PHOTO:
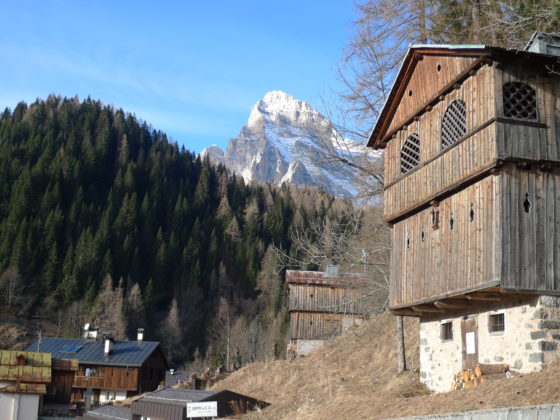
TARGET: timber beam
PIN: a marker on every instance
(483, 297)
(426, 308)
(405, 312)
(457, 304)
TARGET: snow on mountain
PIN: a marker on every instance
(285, 141)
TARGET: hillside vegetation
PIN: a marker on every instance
(104, 220)
(354, 377)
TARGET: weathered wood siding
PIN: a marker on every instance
(520, 139)
(441, 169)
(316, 326)
(531, 237)
(426, 82)
(152, 371)
(429, 263)
(328, 299)
(107, 377)
(60, 389)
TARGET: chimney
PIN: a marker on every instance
(108, 345)
(140, 336)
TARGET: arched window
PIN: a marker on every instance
(410, 153)
(520, 101)
(454, 123)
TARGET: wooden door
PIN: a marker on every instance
(469, 336)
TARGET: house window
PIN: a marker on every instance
(410, 153)
(496, 323)
(454, 123)
(446, 331)
(520, 101)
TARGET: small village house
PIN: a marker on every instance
(471, 139)
(24, 377)
(106, 369)
(171, 404)
(322, 305)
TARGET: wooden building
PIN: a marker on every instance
(171, 404)
(322, 305)
(112, 370)
(472, 191)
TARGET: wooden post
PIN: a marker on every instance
(401, 357)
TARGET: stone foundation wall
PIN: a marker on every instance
(304, 347)
(529, 341)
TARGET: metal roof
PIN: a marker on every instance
(173, 378)
(178, 396)
(108, 412)
(171, 404)
(124, 353)
(322, 279)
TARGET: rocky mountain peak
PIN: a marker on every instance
(280, 106)
(283, 141)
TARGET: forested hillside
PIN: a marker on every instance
(104, 220)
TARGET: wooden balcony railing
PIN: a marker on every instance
(88, 382)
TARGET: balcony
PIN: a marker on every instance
(88, 382)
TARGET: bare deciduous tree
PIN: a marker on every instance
(108, 311)
(11, 284)
(357, 242)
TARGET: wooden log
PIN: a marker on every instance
(492, 369)
(426, 308)
(484, 298)
(478, 371)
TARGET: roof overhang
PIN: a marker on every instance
(378, 137)
(413, 55)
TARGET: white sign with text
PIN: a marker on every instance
(471, 344)
(202, 409)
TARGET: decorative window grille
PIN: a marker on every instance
(446, 331)
(410, 153)
(454, 123)
(496, 323)
(520, 101)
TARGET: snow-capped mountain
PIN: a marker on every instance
(286, 140)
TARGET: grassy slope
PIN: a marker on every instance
(16, 332)
(354, 376)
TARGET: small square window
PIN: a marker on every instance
(496, 323)
(446, 331)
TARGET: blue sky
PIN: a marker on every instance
(192, 69)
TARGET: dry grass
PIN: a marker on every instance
(354, 376)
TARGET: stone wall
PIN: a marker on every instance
(304, 347)
(529, 341)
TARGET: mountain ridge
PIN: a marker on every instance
(286, 140)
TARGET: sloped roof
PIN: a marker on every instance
(176, 377)
(414, 54)
(124, 353)
(36, 367)
(171, 403)
(322, 279)
(178, 396)
(108, 412)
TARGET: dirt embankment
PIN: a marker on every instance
(354, 377)
(16, 333)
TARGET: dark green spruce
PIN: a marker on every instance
(88, 192)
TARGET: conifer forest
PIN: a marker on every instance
(103, 220)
